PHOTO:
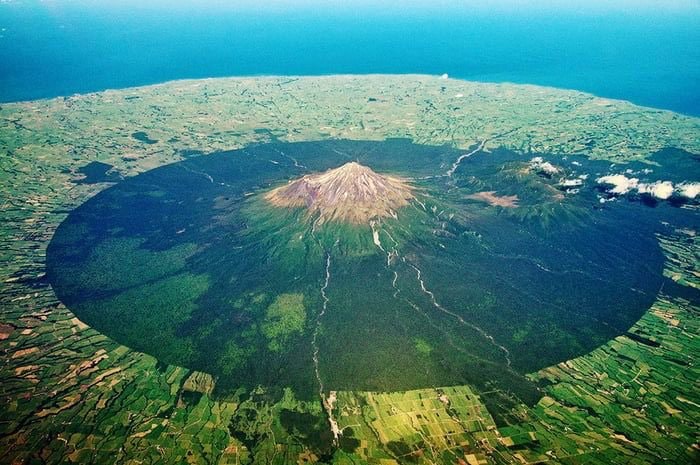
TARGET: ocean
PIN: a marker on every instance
(50, 49)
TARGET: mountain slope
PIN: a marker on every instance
(352, 193)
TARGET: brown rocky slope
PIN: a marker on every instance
(351, 193)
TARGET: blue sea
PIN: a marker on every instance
(56, 48)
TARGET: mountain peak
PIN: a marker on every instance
(351, 193)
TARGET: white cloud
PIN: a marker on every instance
(621, 183)
(539, 164)
(660, 189)
(571, 182)
(689, 190)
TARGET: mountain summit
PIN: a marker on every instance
(351, 193)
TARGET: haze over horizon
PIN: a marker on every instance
(398, 7)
